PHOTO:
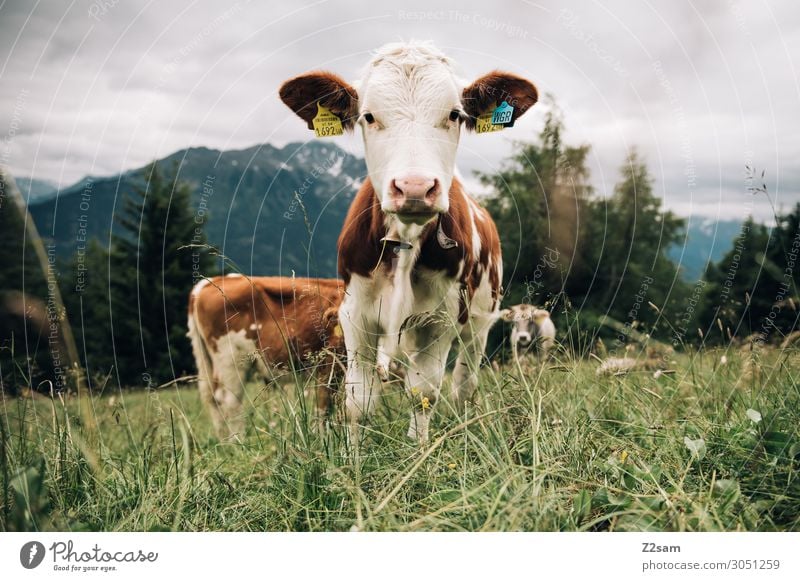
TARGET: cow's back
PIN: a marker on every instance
(292, 315)
(284, 317)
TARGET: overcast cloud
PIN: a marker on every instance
(701, 88)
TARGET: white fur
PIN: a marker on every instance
(222, 372)
(199, 286)
(371, 315)
(547, 335)
(480, 213)
(531, 329)
(411, 90)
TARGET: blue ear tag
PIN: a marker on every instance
(503, 114)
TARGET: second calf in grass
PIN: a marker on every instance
(262, 328)
(532, 331)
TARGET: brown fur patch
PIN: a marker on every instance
(360, 248)
(287, 318)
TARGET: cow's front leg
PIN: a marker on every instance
(394, 313)
(426, 367)
(384, 358)
(361, 382)
(465, 374)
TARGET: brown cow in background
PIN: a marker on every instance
(242, 328)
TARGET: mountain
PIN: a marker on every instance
(706, 238)
(263, 207)
(34, 190)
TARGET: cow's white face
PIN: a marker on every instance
(411, 108)
(525, 321)
(411, 114)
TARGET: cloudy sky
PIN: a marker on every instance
(701, 88)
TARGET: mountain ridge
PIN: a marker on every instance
(246, 199)
(264, 207)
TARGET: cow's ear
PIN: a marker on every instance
(506, 315)
(301, 94)
(493, 89)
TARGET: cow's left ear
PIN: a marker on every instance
(301, 94)
(493, 89)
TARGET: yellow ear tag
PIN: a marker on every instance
(483, 124)
(337, 331)
(326, 124)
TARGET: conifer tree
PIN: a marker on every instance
(135, 302)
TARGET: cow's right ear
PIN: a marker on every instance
(506, 315)
(301, 94)
(494, 88)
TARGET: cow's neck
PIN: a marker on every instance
(372, 239)
(405, 243)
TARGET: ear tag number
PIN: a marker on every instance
(503, 114)
(483, 123)
(326, 124)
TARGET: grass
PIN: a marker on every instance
(561, 450)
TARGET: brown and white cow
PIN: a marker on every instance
(420, 257)
(247, 327)
(532, 331)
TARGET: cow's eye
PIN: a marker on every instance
(455, 115)
(369, 118)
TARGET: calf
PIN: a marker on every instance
(531, 330)
(420, 257)
(242, 328)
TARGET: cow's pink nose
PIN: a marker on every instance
(414, 192)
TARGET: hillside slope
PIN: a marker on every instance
(262, 207)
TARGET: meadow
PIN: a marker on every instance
(712, 444)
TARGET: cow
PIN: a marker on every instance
(532, 330)
(243, 328)
(419, 256)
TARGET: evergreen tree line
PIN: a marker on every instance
(752, 291)
(601, 264)
(25, 351)
(128, 302)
